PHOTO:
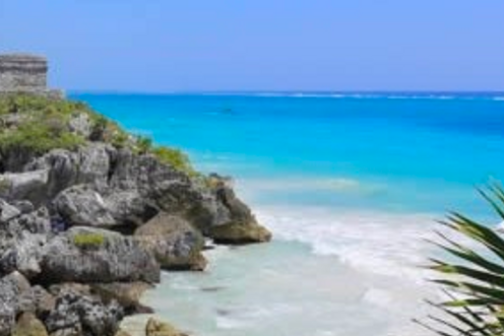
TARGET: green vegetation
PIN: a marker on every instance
(35, 125)
(88, 240)
(174, 157)
(473, 278)
(144, 145)
(42, 124)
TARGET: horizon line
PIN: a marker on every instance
(291, 92)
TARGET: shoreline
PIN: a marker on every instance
(376, 292)
(91, 215)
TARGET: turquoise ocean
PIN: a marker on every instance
(350, 184)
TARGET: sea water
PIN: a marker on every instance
(349, 184)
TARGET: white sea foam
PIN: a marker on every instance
(363, 95)
(311, 184)
(379, 243)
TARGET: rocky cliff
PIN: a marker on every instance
(89, 215)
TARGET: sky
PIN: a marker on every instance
(262, 45)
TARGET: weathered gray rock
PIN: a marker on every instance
(91, 255)
(7, 315)
(36, 300)
(89, 165)
(30, 186)
(82, 206)
(7, 212)
(24, 206)
(175, 243)
(129, 208)
(11, 287)
(242, 226)
(128, 295)
(81, 124)
(75, 314)
(35, 222)
(29, 249)
(8, 261)
(95, 162)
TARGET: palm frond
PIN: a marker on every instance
(474, 282)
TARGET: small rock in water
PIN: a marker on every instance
(212, 289)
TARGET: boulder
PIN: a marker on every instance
(95, 163)
(24, 206)
(35, 222)
(29, 325)
(129, 208)
(242, 227)
(32, 186)
(75, 314)
(160, 186)
(36, 300)
(11, 287)
(8, 302)
(8, 261)
(90, 164)
(29, 249)
(128, 295)
(81, 206)
(158, 328)
(175, 243)
(239, 233)
(91, 255)
(7, 212)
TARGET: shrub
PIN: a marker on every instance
(175, 158)
(144, 144)
(45, 129)
(39, 138)
(120, 139)
(88, 240)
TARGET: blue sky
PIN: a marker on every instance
(165, 45)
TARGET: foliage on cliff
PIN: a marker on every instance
(35, 124)
(472, 276)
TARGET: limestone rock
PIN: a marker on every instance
(130, 208)
(36, 300)
(81, 124)
(242, 227)
(174, 242)
(8, 301)
(8, 261)
(158, 328)
(82, 206)
(7, 212)
(76, 314)
(128, 295)
(92, 255)
(30, 186)
(29, 325)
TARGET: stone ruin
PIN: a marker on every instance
(24, 73)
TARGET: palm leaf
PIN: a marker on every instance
(477, 276)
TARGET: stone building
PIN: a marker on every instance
(24, 73)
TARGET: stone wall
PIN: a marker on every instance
(23, 73)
